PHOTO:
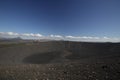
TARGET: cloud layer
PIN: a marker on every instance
(58, 37)
(92, 39)
(24, 35)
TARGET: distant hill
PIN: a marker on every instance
(11, 39)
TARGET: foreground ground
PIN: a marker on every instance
(67, 71)
(60, 61)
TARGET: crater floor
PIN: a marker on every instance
(60, 60)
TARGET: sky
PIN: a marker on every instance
(69, 18)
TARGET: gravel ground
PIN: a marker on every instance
(66, 71)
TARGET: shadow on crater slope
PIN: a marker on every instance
(42, 58)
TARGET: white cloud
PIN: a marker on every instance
(55, 37)
(59, 37)
(83, 37)
(92, 39)
(71, 37)
(23, 35)
(106, 37)
(31, 35)
(38, 35)
(9, 33)
(80, 38)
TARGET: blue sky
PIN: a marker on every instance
(61, 17)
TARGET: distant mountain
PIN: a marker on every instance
(11, 39)
(17, 38)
